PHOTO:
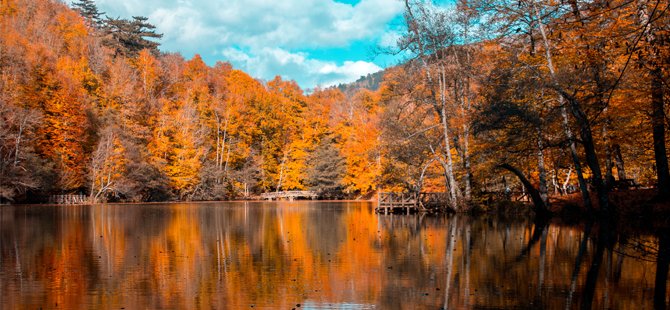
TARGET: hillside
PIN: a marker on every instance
(370, 82)
(90, 105)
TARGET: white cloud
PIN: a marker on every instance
(261, 36)
(260, 23)
(180, 25)
(268, 62)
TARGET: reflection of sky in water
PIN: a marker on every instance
(321, 255)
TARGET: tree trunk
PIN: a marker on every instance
(17, 145)
(540, 207)
(465, 107)
(419, 184)
(225, 166)
(465, 158)
(222, 142)
(591, 156)
(658, 123)
(439, 107)
(567, 180)
(218, 147)
(281, 171)
(554, 182)
(540, 167)
(618, 159)
(562, 101)
(586, 198)
(657, 104)
(609, 165)
(454, 188)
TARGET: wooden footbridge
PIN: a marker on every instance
(68, 199)
(290, 195)
(407, 203)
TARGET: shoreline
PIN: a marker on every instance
(178, 202)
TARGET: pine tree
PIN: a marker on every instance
(326, 169)
(89, 10)
(129, 37)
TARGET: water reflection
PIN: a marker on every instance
(317, 255)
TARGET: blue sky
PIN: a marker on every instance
(314, 42)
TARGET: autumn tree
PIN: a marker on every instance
(516, 128)
(561, 92)
(19, 165)
(108, 165)
(357, 133)
(409, 131)
(439, 40)
(583, 68)
(653, 55)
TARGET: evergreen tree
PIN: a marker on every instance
(89, 10)
(326, 168)
(129, 37)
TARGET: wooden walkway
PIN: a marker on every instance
(406, 203)
(289, 195)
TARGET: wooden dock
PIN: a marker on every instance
(407, 203)
(290, 195)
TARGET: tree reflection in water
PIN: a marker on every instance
(662, 261)
(318, 255)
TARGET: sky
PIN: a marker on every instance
(314, 42)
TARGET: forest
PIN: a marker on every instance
(549, 97)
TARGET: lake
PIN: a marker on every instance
(313, 255)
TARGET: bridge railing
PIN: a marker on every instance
(289, 194)
(68, 199)
(407, 202)
(397, 199)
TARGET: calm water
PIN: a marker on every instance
(316, 254)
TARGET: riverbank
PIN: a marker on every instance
(635, 208)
